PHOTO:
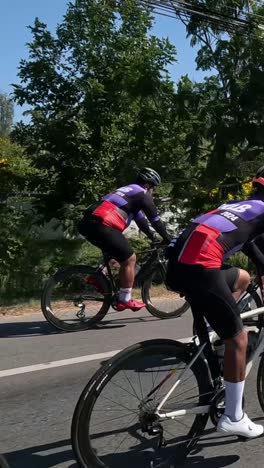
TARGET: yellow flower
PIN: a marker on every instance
(3, 163)
(247, 189)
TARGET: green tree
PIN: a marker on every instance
(226, 138)
(16, 171)
(102, 102)
(6, 115)
(16, 174)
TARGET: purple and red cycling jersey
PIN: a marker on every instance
(131, 202)
(216, 235)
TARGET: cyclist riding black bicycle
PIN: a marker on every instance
(196, 269)
(104, 222)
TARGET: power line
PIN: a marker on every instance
(239, 20)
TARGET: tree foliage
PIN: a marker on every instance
(102, 104)
(226, 142)
(101, 100)
(16, 174)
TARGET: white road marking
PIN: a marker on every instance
(63, 362)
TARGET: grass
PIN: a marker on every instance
(22, 308)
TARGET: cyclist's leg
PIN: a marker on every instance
(119, 248)
(113, 242)
(223, 315)
(237, 279)
(209, 292)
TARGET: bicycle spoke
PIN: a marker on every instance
(113, 419)
(124, 416)
(180, 394)
(125, 390)
(119, 404)
(141, 391)
(123, 440)
(131, 386)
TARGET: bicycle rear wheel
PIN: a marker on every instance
(76, 298)
(161, 301)
(115, 422)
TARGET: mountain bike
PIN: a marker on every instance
(78, 297)
(149, 405)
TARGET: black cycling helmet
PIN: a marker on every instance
(258, 180)
(148, 176)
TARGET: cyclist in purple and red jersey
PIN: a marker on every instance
(103, 225)
(196, 269)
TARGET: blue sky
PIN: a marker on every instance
(16, 15)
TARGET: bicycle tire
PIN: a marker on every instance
(148, 299)
(62, 275)
(80, 428)
(3, 462)
(260, 383)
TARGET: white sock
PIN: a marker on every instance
(125, 294)
(233, 401)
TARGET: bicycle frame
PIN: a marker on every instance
(205, 409)
(140, 276)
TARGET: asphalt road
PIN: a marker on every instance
(36, 404)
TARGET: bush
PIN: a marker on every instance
(36, 261)
(33, 261)
(240, 260)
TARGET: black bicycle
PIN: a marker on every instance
(149, 405)
(78, 297)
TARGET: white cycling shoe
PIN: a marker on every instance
(244, 428)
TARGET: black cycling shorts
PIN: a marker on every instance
(109, 240)
(209, 292)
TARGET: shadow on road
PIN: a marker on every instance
(41, 327)
(121, 322)
(211, 462)
(20, 329)
(43, 456)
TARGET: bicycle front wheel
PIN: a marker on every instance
(76, 298)
(115, 423)
(161, 301)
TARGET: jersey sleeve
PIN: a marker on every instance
(143, 225)
(150, 210)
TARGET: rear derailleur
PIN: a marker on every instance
(149, 423)
(81, 313)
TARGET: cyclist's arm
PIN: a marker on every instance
(143, 225)
(150, 211)
(255, 251)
